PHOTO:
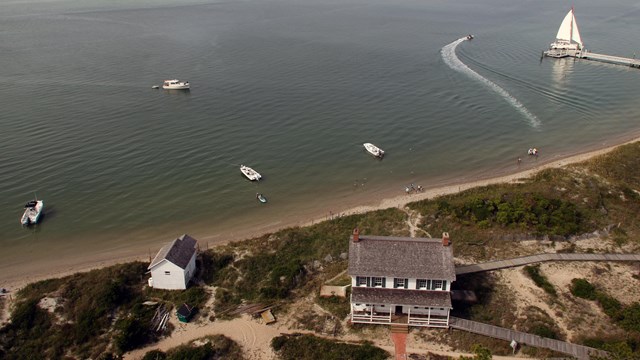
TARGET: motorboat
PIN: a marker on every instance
(155, 87)
(374, 150)
(175, 84)
(250, 173)
(470, 37)
(32, 211)
(261, 198)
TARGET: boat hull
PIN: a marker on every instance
(249, 173)
(374, 150)
(32, 215)
(176, 87)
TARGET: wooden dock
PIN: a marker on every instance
(532, 259)
(585, 54)
(578, 351)
(588, 55)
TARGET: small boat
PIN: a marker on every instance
(175, 84)
(250, 173)
(469, 37)
(155, 87)
(374, 150)
(32, 211)
(261, 198)
(568, 40)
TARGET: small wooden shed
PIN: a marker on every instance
(185, 312)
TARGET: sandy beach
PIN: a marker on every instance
(16, 278)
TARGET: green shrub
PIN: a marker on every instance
(583, 289)
(211, 263)
(545, 215)
(610, 305)
(539, 279)
(155, 355)
(216, 347)
(309, 347)
(544, 331)
(631, 317)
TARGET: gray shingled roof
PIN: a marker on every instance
(179, 252)
(364, 295)
(401, 257)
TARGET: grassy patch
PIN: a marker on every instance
(583, 289)
(315, 348)
(340, 307)
(618, 348)
(95, 309)
(533, 271)
(195, 296)
(270, 267)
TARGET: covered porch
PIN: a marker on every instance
(395, 306)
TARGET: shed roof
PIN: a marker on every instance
(179, 252)
(364, 295)
(185, 310)
(401, 257)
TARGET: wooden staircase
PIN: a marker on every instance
(399, 328)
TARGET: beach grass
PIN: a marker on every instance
(311, 347)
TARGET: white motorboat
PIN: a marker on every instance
(568, 41)
(175, 84)
(374, 150)
(250, 173)
(32, 211)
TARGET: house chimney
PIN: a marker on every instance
(356, 235)
(445, 239)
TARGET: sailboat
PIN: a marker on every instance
(568, 41)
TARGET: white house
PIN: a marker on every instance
(401, 280)
(174, 265)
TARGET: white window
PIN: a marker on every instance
(436, 285)
(376, 282)
(167, 272)
(399, 283)
(421, 284)
(361, 281)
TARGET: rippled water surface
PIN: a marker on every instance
(291, 88)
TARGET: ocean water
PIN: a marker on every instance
(291, 88)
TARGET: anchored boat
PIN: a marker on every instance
(175, 84)
(32, 212)
(568, 41)
(374, 150)
(261, 198)
(250, 173)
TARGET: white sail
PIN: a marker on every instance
(575, 34)
(569, 30)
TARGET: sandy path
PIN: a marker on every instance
(255, 339)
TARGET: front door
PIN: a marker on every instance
(399, 310)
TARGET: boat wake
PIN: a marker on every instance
(451, 59)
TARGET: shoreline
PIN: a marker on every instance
(30, 273)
